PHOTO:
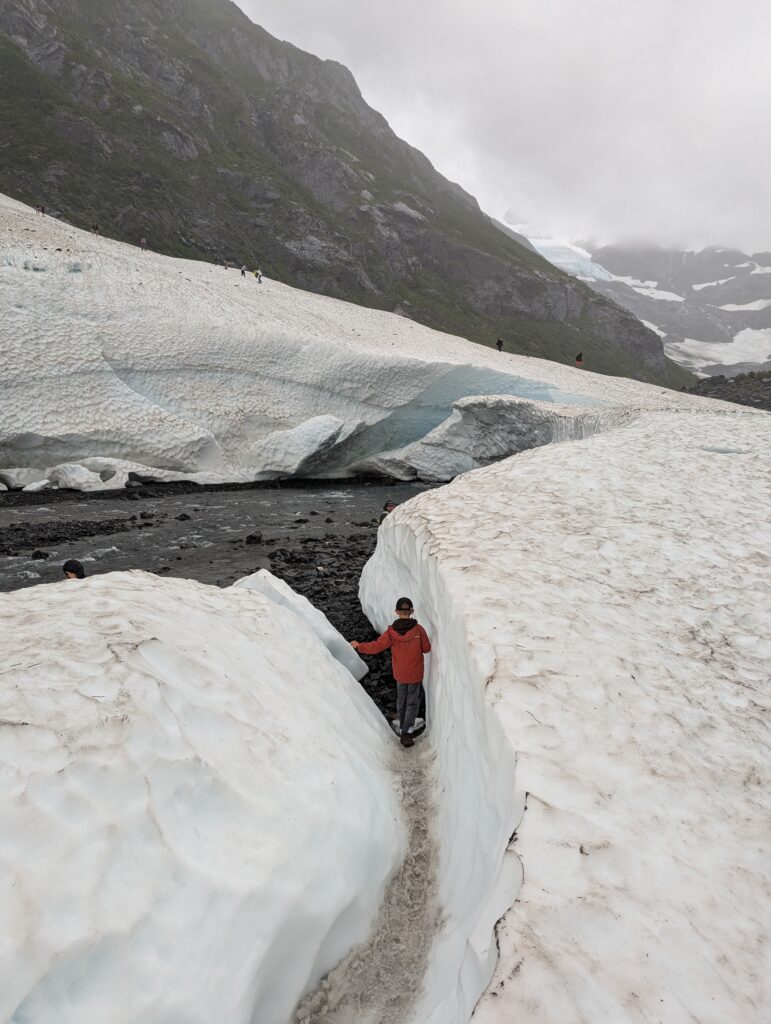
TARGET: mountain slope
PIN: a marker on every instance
(712, 307)
(182, 121)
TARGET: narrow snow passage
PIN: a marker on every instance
(380, 983)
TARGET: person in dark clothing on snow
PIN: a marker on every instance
(408, 642)
(387, 510)
(73, 569)
(499, 344)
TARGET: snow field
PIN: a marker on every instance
(600, 610)
(198, 818)
(748, 345)
(117, 361)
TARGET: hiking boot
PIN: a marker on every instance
(407, 740)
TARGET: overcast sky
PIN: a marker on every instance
(605, 119)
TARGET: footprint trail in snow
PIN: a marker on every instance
(381, 982)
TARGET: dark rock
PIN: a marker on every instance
(183, 518)
(254, 538)
(37, 555)
(318, 146)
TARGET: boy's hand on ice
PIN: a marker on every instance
(354, 644)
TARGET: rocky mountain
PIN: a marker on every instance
(712, 307)
(184, 122)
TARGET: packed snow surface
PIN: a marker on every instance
(600, 613)
(118, 362)
(198, 819)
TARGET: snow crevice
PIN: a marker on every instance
(478, 872)
(379, 981)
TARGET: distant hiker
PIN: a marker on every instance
(243, 270)
(408, 642)
(73, 569)
(42, 211)
(38, 208)
(143, 244)
(258, 275)
(580, 359)
(499, 344)
(387, 510)
(94, 229)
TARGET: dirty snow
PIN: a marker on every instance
(601, 612)
(198, 815)
(186, 370)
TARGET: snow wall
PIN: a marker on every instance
(119, 364)
(197, 814)
(479, 808)
(603, 608)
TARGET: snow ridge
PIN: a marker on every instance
(120, 363)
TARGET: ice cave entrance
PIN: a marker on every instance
(412, 421)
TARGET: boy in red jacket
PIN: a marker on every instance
(408, 642)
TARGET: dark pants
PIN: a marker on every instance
(407, 703)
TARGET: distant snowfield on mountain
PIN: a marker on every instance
(748, 346)
(118, 362)
(710, 321)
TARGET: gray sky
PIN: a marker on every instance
(605, 119)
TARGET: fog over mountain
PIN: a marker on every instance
(644, 120)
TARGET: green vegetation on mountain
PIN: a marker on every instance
(182, 121)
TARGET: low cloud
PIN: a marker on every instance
(642, 119)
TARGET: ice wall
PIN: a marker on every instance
(129, 363)
(198, 817)
(603, 609)
(479, 807)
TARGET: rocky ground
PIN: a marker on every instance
(747, 389)
(315, 537)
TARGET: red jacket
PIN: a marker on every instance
(407, 650)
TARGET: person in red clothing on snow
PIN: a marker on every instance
(408, 642)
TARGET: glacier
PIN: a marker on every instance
(119, 364)
(598, 698)
(199, 818)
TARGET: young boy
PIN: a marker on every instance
(408, 642)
